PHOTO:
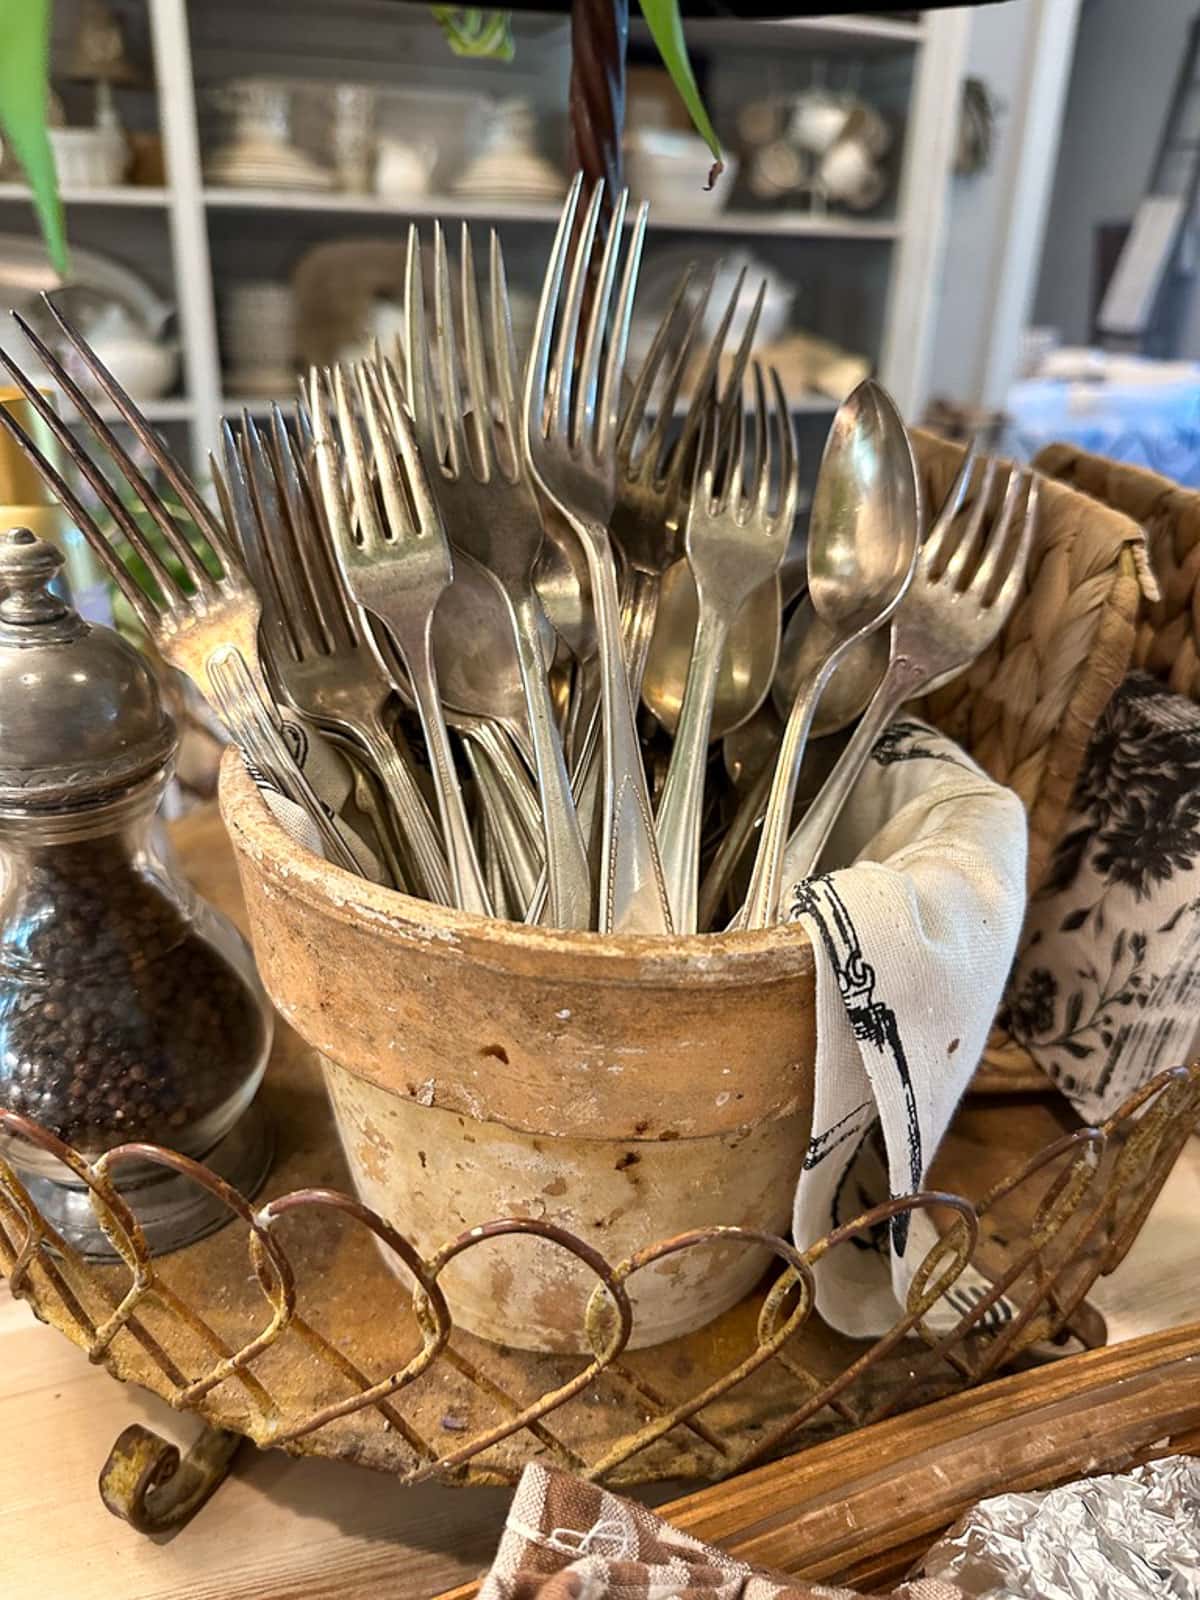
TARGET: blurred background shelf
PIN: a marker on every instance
(225, 257)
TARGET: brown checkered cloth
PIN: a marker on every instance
(570, 1540)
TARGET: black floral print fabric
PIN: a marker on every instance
(1103, 993)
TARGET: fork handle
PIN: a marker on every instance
(903, 679)
(466, 878)
(419, 834)
(680, 807)
(568, 879)
(633, 896)
(762, 897)
(639, 611)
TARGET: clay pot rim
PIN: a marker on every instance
(783, 951)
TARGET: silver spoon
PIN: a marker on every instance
(862, 543)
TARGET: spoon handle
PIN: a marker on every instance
(762, 898)
(568, 878)
(416, 650)
(679, 809)
(746, 818)
(418, 832)
(902, 680)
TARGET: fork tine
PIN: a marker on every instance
(504, 355)
(731, 490)
(398, 516)
(563, 369)
(741, 359)
(656, 441)
(143, 604)
(220, 542)
(192, 501)
(242, 514)
(108, 441)
(705, 387)
(538, 371)
(789, 458)
(996, 556)
(967, 549)
(277, 541)
(951, 505)
(418, 367)
(446, 340)
(478, 391)
(634, 414)
(618, 339)
(1006, 596)
(762, 443)
(168, 588)
(327, 456)
(370, 533)
(318, 571)
(584, 427)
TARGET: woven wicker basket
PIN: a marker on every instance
(1163, 638)
(1027, 707)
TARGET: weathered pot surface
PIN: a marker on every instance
(625, 1088)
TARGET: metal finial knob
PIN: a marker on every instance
(28, 566)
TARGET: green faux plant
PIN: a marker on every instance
(24, 93)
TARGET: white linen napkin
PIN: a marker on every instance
(913, 941)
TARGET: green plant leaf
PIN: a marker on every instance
(24, 84)
(473, 32)
(666, 29)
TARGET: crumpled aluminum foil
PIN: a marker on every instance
(1130, 1537)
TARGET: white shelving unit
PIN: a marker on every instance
(901, 263)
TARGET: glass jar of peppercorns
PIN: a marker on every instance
(130, 1011)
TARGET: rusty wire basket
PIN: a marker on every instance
(288, 1328)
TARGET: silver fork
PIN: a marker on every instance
(952, 612)
(481, 482)
(320, 649)
(189, 624)
(735, 542)
(569, 429)
(396, 568)
(653, 483)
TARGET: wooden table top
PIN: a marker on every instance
(283, 1529)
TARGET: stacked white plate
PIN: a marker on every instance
(509, 168)
(258, 339)
(262, 164)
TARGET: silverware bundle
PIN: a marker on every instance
(467, 575)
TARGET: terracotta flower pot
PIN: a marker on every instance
(627, 1089)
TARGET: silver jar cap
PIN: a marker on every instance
(81, 716)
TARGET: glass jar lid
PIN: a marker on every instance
(81, 716)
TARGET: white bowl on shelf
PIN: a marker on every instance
(670, 169)
(89, 158)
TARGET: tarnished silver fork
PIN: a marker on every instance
(569, 426)
(318, 644)
(736, 537)
(215, 609)
(480, 479)
(952, 612)
(654, 475)
(396, 566)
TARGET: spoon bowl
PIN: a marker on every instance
(807, 641)
(747, 666)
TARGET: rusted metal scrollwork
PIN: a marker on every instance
(270, 1329)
